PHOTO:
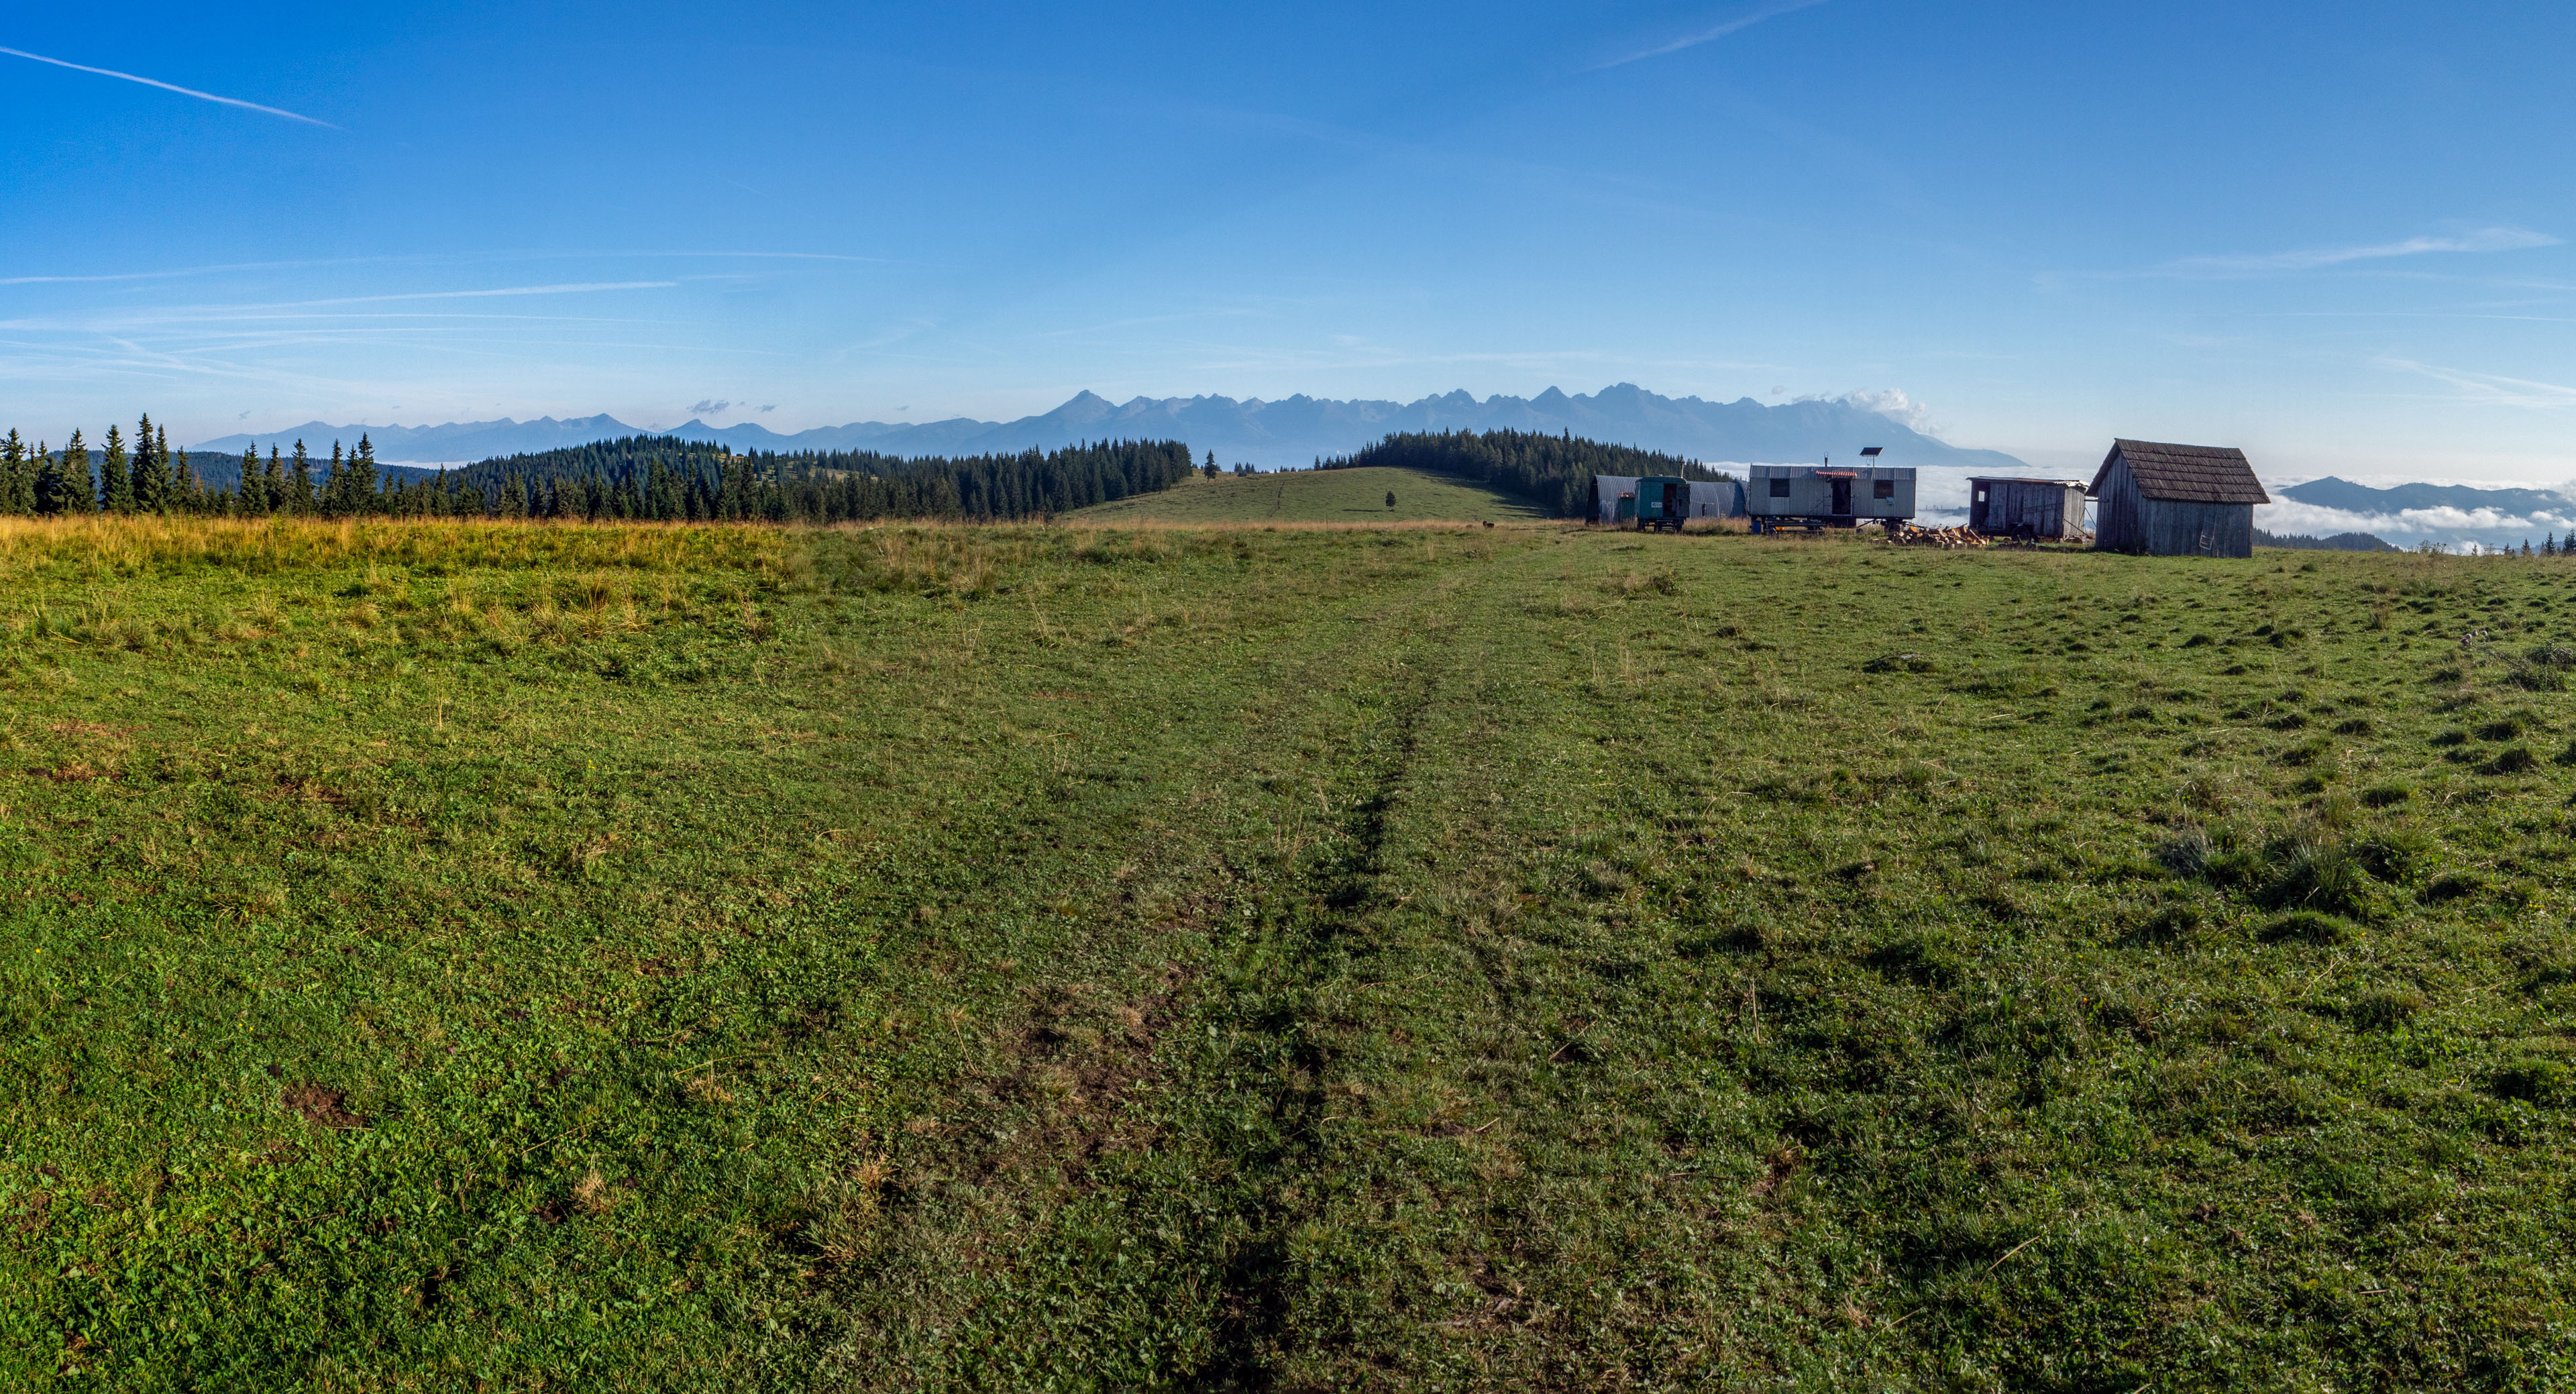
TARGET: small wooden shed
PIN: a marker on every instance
(2175, 500)
(2044, 509)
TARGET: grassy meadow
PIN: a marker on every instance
(463, 956)
(1349, 496)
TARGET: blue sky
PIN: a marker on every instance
(2338, 235)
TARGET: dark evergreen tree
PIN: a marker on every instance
(154, 488)
(66, 485)
(360, 496)
(299, 485)
(115, 486)
(17, 476)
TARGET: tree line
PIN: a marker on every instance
(640, 478)
(1554, 472)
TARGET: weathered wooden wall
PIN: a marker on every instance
(2126, 521)
(2199, 529)
(2050, 510)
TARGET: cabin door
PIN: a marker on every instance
(1842, 497)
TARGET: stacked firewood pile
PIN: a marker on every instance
(1907, 535)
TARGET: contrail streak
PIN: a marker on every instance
(169, 87)
(1704, 35)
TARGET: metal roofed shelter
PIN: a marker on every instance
(2039, 509)
(1614, 498)
(1607, 491)
(2176, 500)
(1815, 496)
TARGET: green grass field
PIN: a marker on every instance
(1316, 496)
(466, 957)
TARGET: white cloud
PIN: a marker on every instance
(708, 406)
(2493, 526)
(2490, 239)
(1893, 404)
(2487, 389)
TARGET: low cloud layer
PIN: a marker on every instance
(708, 406)
(2447, 528)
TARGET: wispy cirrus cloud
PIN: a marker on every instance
(2487, 239)
(170, 87)
(2488, 389)
(1697, 37)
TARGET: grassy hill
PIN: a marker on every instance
(454, 955)
(1316, 496)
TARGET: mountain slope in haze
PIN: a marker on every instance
(2331, 492)
(1292, 431)
(453, 442)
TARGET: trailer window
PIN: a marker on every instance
(1882, 488)
(1780, 488)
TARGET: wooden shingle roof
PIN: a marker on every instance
(2185, 473)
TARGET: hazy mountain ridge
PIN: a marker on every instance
(2331, 492)
(1291, 431)
(2448, 516)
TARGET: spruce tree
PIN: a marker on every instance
(362, 477)
(115, 486)
(272, 484)
(49, 483)
(151, 470)
(63, 483)
(333, 483)
(16, 492)
(299, 488)
(187, 491)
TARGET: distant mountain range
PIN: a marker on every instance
(2331, 492)
(1292, 431)
(2456, 517)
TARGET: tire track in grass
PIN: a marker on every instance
(1310, 955)
(1152, 1263)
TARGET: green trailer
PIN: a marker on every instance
(1661, 505)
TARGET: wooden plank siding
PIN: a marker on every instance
(2049, 508)
(2126, 520)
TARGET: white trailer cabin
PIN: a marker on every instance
(1820, 496)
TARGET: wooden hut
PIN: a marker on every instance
(2039, 509)
(2175, 500)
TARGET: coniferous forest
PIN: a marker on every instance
(1554, 472)
(641, 478)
